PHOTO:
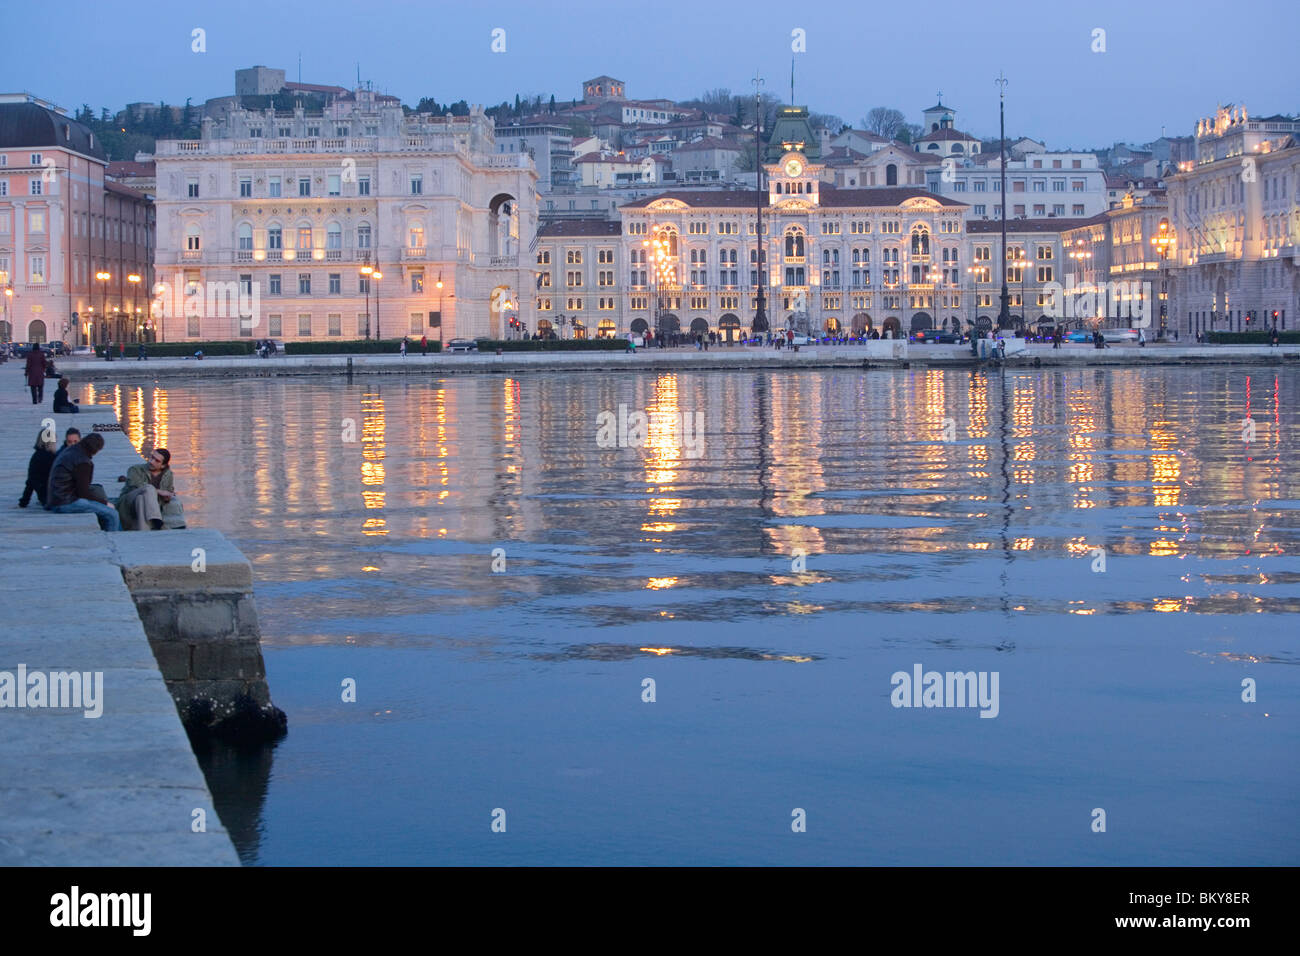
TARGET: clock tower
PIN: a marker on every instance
(794, 181)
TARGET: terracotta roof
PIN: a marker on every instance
(126, 167)
(709, 142)
(121, 190)
(945, 134)
(983, 226)
(560, 228)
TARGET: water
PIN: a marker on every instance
(1120, 689)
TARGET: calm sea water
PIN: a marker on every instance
(828, 530)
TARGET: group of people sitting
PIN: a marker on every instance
(63, 480)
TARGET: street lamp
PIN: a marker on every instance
(1163, 240)
(9, 294)
(134, 279)
(367, 274)
(103, 278)
(376, 275)
(1023, 265)
(1080, 257)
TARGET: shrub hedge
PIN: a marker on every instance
(355, 347)
(1254, 338)
(178, 349)
(552, 345)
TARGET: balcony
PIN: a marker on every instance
(244, 255)
(191, 255)
(415, 252)
(503, 262)
(333, 255)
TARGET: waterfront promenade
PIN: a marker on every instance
(884, 354)
(120, 789)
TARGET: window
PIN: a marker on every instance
(1043, 252)
(959, 186)
(1040, 185)
(332, 184)
(36, 220)
(728, 228)
(363, 185)
(1076, 185)
(336, 283)
(244, 239)
(415, 235)
(1078, 209)
(980, 210)
(605, 256)
(417, 281)
(37, 270)
(304, 323)
(697, 228)
(830, 228)
(1058, 185)
(284, 131)
(304, 284)
(891, 227)
(193, 242)
(363, 236)
(978, 185)
(417, 184)
(304, 238)
(573, 279)
(34, 186)
(546, 281)
(275, 325)
(544, 257)
(255, 132)
(1076, 164)
(36, 159)
(1040, 209)
(363, 285)
(192, 187)
(304, 189)
(275, 238)
(1018, 186)
(273, 284)
(574, 257)
(363, 325)
(273, 187)
(333, 237)
(245, 187)
(335, 320)
(1058, 209)
(245, 285)
(1018, 209)
(605, 277)
(1044, 273)
(4, 187)
(313, 130)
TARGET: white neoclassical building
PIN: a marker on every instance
(1235, 211)
(347, 222)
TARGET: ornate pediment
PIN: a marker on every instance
(794, 204)
(667, 205)
(922, 204)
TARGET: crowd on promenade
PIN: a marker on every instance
(62, 477)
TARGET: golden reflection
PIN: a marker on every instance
(1163, 549)
(659, 527)
(1167, 605)
(373, 450)
(663, 445)
(656, 584)
(1079, 547)
(1022, 544)
(370, 567)
(661, 651)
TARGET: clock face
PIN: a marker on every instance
(793, 167)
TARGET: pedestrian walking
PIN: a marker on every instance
(402, 348)
(1142, 338)
(36, 374)
(424, 344)
(140, 354)
(1273, 338)
(121, 351)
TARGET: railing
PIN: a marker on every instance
(333, 255)
(416, 252)
(191, 254)
(244, 255)
(502, 262)
(274, 255)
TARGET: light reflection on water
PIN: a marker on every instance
(371, 510)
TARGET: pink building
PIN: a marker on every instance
(76, 248)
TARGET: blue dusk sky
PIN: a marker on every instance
(1164, 65)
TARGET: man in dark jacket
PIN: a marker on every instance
(38, 469)
(71, 477)
(36, 374)
(62, 403)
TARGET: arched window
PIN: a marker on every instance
(415, 234)
(193, 241)
(920, 241)
(245, 236)
(333, 236)
(794, 247)
(363, 236)
(304, 236)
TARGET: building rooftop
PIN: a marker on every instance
(986, 226)
(561, 228)
(30, 125)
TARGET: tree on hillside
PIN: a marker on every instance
(909, 133)
(884, 121)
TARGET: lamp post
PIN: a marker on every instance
(9, 294)
(760, 323)
(1080, 257)
(103, 278)
(1163, 240)
(1004, 312)
(134, 279)
(1023, 265)
(439, 286)
(367, 275)
(375, 276)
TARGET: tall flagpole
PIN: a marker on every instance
(1004, 313)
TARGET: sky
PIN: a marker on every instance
(1163, 66)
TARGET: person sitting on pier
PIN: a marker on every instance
(38, 469)
(61, 401)
(149, 499)
(71, 489)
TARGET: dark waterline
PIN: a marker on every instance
(522, 690)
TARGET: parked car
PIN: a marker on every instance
(1119, 335)
(462, 345)
(1079, 336)
(58, 347)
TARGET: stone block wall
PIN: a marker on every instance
(193, 591)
